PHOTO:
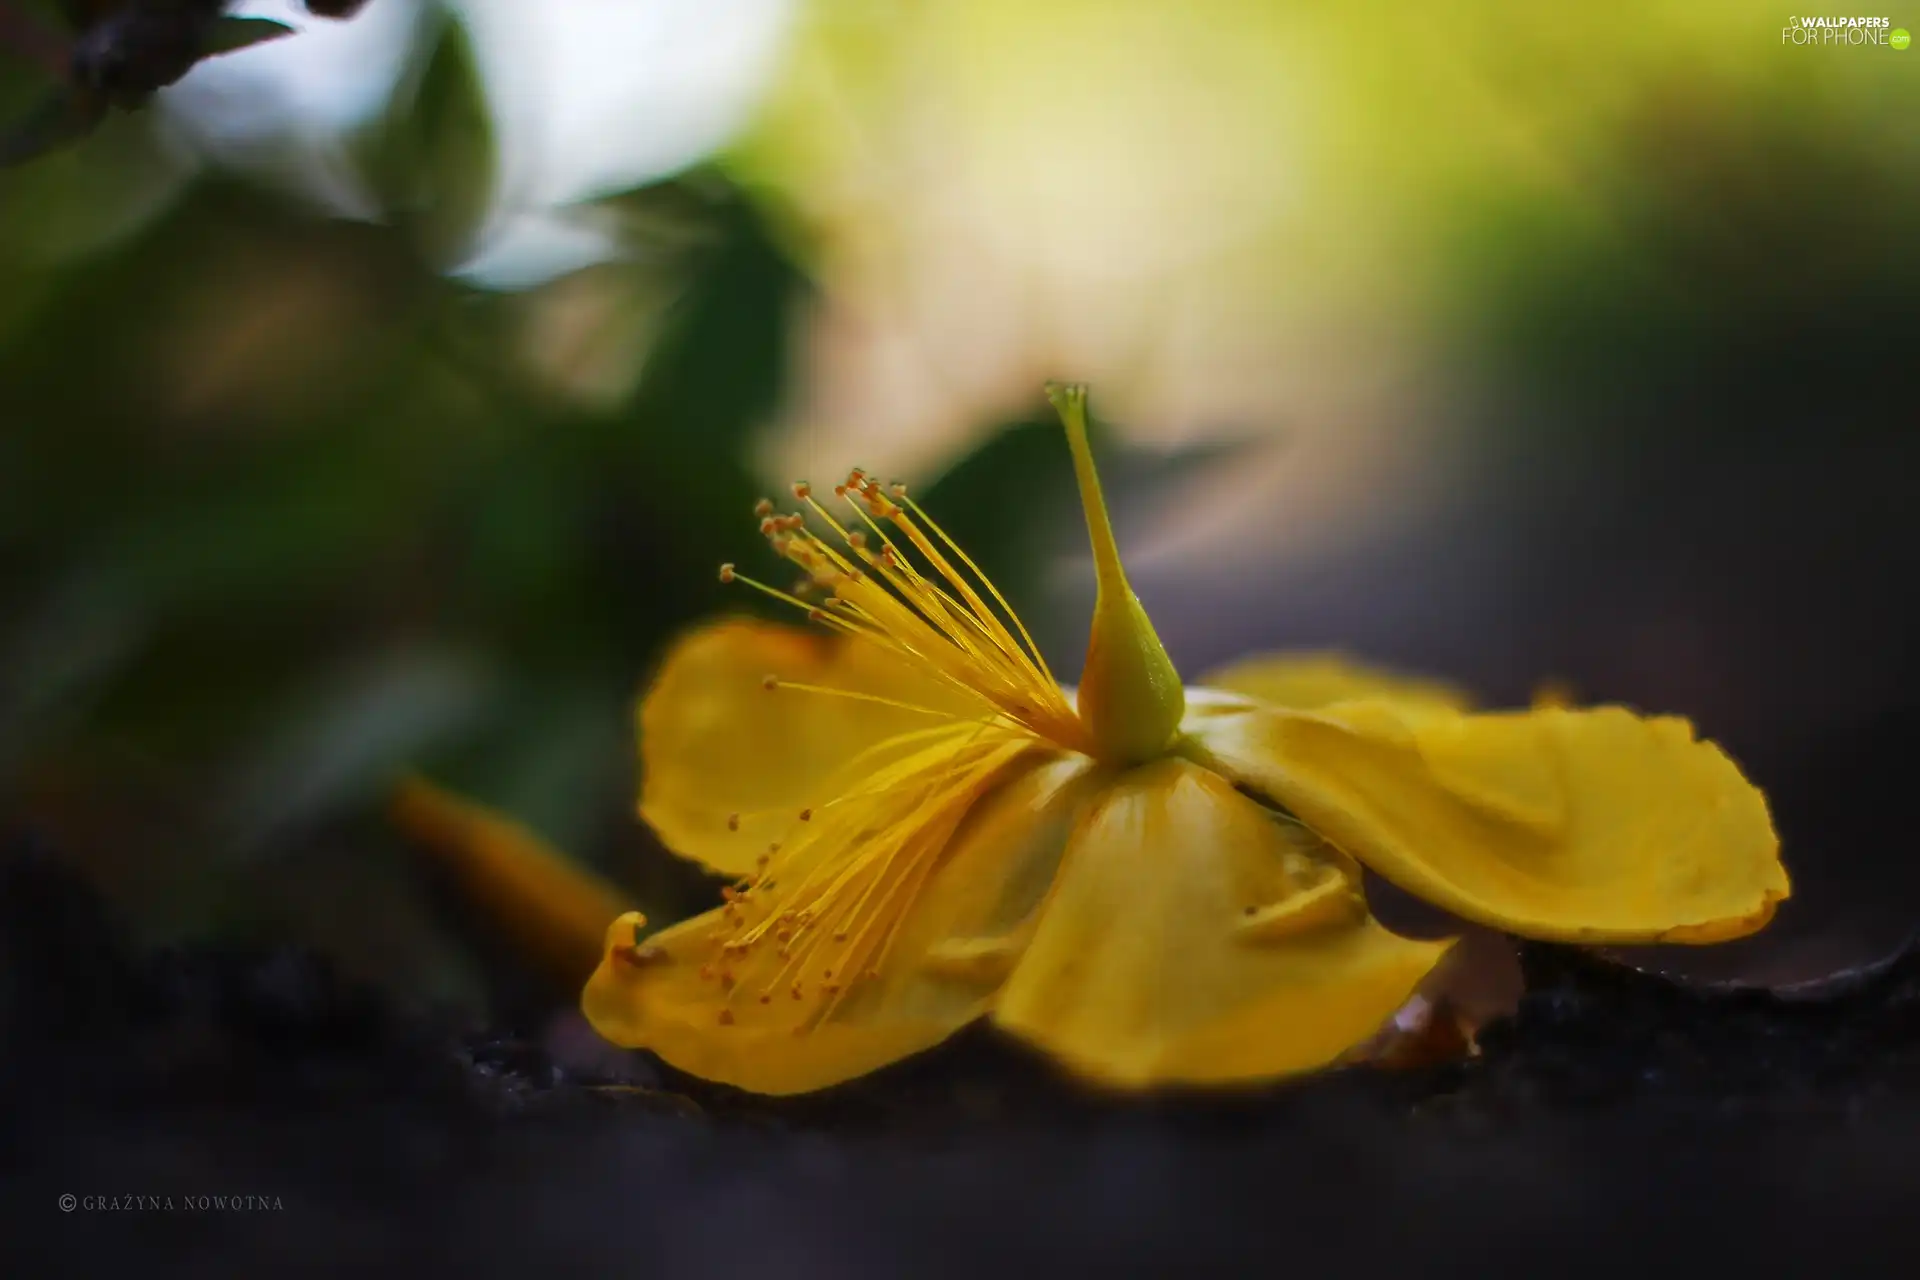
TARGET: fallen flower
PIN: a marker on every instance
(1150, 883)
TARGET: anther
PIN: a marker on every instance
(770, 525)
(898, 488)
(733, 822)
(726, 1017)
(769, 683)
(763, 508)
(816, 615)
(857, 540)
(765, 998)
(726, 573)
(796, 991)
(802, 490)
(806, 815)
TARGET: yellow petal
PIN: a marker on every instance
(715, 742)
(958, 914)
(1194, 936)
(552, 908)
(1309, 681)
(1586, 826)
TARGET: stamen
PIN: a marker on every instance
(775, 682)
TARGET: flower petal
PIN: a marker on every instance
(962, 922)
(1586, 826)
(715, 742)
(1309, 681)
(1195, 936)
(552, 908)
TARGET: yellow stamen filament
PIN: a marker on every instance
(854, 875)
(937, 619)
(772, 683)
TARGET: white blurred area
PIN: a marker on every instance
(283, 109)
(587, 97)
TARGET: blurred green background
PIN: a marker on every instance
(387, 395)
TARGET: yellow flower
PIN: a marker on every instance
(1149, 883)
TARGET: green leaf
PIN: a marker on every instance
(433, 157)
(229, 35)
(721, 361)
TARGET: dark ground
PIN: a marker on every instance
(1618, 1125)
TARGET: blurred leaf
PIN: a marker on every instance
(348, 530)
(354, 731)
(721, 361)
(63, 117)
(432, 157)
(232, 34)
(56, 655)
(93, 174)
(1672, 304)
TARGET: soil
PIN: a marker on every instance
(1617, 1124)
